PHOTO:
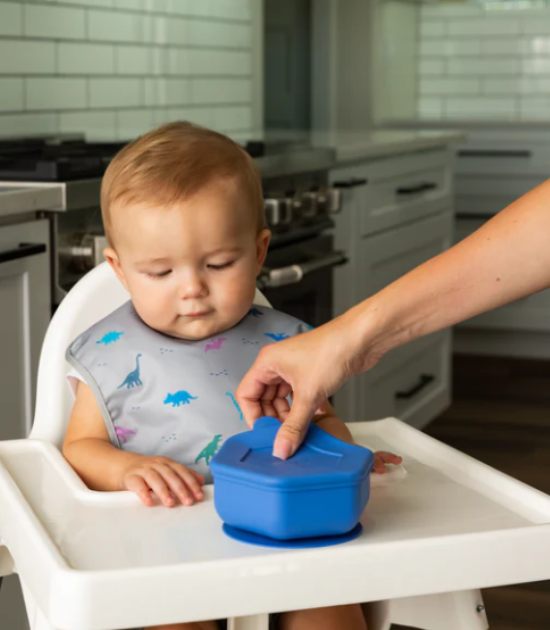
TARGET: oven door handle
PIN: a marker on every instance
(283, 276)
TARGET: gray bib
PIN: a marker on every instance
(165, 396)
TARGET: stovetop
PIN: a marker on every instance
(65, 159)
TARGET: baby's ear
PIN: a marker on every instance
(111, 257)
(262, 243)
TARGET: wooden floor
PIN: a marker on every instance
(501, 416)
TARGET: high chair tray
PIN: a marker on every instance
(98, 561)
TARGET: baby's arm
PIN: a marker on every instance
(331, 423)
(104, 467)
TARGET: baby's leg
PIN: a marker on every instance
(330, 618)
(199, 625)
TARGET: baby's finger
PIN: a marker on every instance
(159, 487)
(200, 478)
(186, 485)
(137, 485)
(267, 400)
(389, 458)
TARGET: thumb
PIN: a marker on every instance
(294, 428)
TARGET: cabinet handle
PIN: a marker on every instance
(351, 183)
(414, 190)
(494, 153)
(23, 251)
(425, 380)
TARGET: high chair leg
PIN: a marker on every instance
(253, 622)
(462, 610)
(37, 621)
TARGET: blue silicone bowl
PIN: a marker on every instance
(321, 491)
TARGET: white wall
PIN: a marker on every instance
(479, 64)
(116, 68)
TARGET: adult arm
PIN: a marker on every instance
(506, 259)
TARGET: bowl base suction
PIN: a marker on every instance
(251, 538)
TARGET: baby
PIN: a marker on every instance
(155, 380)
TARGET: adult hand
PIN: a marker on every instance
(311, 367)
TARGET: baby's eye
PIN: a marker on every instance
(219, 267)
(160, 274)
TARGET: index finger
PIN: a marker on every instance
(251, 391)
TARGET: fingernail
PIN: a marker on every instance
(188, 502)
(282, 449)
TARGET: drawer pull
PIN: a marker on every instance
(494, 154)
(414, 190)
(25, 250)
(425, 380)
(351, 183)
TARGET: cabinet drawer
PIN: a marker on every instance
(415, 390)
(405, 198)
(387, 257)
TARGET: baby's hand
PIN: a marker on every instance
(381, 458)
(166, 478)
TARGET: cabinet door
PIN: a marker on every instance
(25, 307)
(399, 386)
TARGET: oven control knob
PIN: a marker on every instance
(334, 200)
(278, 212)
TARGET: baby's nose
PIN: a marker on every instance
(192, 286)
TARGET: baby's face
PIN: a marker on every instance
(190, 269)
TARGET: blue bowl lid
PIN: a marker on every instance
(322, 460)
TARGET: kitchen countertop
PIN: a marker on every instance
(22, 197)
(371, 145)
(318, 152)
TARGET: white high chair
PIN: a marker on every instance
(101, 561)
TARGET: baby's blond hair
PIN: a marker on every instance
(171, 164)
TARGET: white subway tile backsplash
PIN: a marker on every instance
(533, 86)
(55, 94)
(11, 95)
(232, 118)
(446, 86)
(483, 67)
(501, 86)
(450, 48)
(116, 92)
(198, 115)
(54, 22)
(450, 10)
(83, 58)
(26, 57)
(95, 125)
(111, 26)
(503, 58)
(219, 62)
(433, 29)
(536, 46)
(11, 20)
(430, 107)
(479, 26)
(208, 91)
(431, 67)
(539, 66)
(133, 123)
(203, 33)
(17, 125)
(115, 68)
(532, 108)
(540, 26)
(496, 108)
(132, 5)
(133, 60)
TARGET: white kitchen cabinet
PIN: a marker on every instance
(385, 236)
(25, 305)
(494, 168)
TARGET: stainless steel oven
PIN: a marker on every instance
(298, 278)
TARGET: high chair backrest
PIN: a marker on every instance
(96, 295)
